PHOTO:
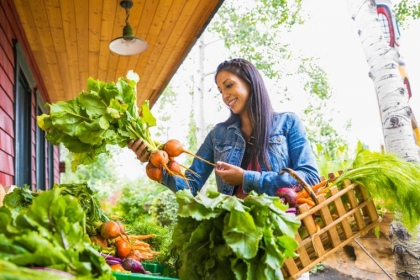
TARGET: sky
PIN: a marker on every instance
(331, 36)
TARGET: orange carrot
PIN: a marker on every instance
(319, 185)
(302, 200)
(142, 237)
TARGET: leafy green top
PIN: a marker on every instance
(222, 237)
(387, 177)
(106, 113)
(50, 234)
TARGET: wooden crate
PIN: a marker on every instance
(345, 215)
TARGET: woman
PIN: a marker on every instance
(252, 146)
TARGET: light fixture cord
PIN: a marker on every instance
(127, 11)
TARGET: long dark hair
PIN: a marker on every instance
(258, 107)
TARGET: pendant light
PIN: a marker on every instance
(127, 44)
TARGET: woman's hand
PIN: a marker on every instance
(230, 174)
(139, 148)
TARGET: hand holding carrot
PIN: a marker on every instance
(230, 174)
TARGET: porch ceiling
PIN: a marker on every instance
(70, 41)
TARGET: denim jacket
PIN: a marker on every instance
(288, 147)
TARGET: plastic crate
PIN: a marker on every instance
(154, 268)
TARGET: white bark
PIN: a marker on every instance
(390, 89)
(396, 117)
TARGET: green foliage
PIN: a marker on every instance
(407, 9)
(51, 234)
(105, 114)
(389, 178)
(222, 237)
(251, 31)
(329, 146)
(136, 199)
(319, 267)
(164, 209)
(20, 199)
(102, 175)
(160, 243)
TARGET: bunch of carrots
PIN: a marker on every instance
(320, 188)
(123, 251)
(163, 157)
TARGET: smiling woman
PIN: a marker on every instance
(252, 146)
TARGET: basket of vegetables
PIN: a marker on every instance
(341, 208)
(329, 222)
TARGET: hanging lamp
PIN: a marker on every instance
(128, 44)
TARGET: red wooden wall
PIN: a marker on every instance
(11, 29)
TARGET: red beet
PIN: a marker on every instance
(288, 195)
(133, 266)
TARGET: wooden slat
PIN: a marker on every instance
(189, 32)
(353, 202)
(41, 20)
(108, 17)
(312, 229)
(6, 104)
(326, 217)
(61, 42)
(71, 46)
(166, 46)
(82, 35)
(28, 24)
(338, 204)
(95, 10)
(372, 213)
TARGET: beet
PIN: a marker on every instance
(133, 266)
(288, 195)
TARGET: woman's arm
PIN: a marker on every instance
(301, 160)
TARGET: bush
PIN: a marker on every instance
(164, 209)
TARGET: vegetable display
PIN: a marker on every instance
(50, 234)
(21, 198)
(223, 237)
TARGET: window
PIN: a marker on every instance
(22, 131)
(40, 155)
(29, 151)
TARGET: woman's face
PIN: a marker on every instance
(234, 90)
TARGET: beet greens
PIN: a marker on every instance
(106, 113)
(222, 237)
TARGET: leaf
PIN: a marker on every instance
(94, 106)
(147, 114)
(243, 243)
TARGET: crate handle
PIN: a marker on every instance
(301, 182)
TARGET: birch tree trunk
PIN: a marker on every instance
(396, 117)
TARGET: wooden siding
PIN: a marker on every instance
(10, 30)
